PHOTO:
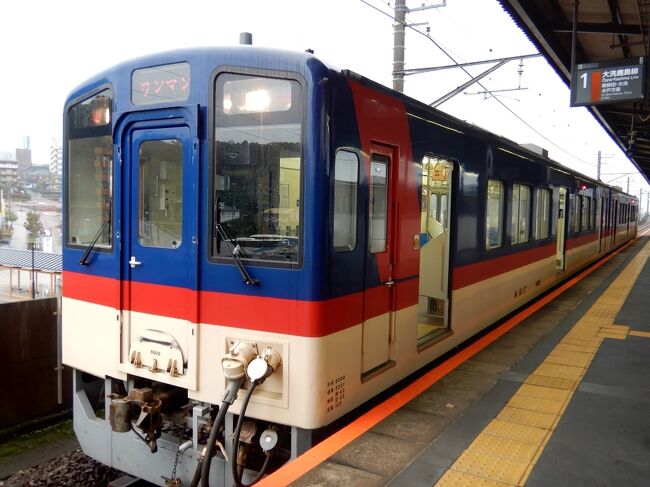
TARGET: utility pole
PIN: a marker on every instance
(628, 185)
(399, 29)
(398, 45)
(598, 166)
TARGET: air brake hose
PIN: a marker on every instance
(236, 475)
(231, 394)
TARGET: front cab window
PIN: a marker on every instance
(258, 168)
(89, 172)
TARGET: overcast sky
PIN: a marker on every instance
(48, 48)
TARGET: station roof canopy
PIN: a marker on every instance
(22, 259)
(607, 30)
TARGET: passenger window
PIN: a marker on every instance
(542, 199)
(586, 210)
(378, 202)
(520, 214)
(575, 214)
(493, 214)
(346, 178)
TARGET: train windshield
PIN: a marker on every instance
(257, 179)
(89, 172)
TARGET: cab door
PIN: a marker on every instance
(160, 252)
(380, 258)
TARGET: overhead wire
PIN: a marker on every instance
(442, 49)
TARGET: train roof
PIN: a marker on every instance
(465, 126)
(210, 57)
(303, 62)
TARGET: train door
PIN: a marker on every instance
(561, 231)
(160, 248)
(433, 300)
(379, 285)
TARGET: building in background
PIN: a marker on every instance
(8, 170)
(38, 178)
(24, 156)
(56, 167)
(56, 159)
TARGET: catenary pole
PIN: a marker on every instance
(398, 45)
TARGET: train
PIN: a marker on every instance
(257, 242)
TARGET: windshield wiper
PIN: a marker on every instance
(234, 252)
(89, 249)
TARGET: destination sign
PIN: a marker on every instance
(608, 82)
(160, 84)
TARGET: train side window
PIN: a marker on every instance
(519, 232)
(494, 215)
(89, 171)
(379, 166)
(575, 214)
(621, 213)
(586, 210)
(346, 178)
(594, 203)
(542, 200)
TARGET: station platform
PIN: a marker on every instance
(558, 394)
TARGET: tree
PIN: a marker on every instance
(33, 226)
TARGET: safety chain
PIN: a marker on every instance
(173, 481)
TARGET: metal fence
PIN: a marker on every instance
(34, 384)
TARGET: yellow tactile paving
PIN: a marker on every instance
(554, 382)
(560, 371)
(506, 451)
(490, 468)
(527, 418)
(615, 336)
(566, 347)
(575, 359)
(643, 334)
(453, 478)
(536, 404)
(622, 329)
(497, 446)
(514, 431)
(539, 392)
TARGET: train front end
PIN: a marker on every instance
(191, 181)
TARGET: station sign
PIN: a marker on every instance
(608, 82)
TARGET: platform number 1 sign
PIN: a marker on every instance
(608, 82)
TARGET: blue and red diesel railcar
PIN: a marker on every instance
(256, 222)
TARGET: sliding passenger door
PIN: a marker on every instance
(380, 258)
(435, 207)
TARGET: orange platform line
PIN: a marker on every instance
(318, 454)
